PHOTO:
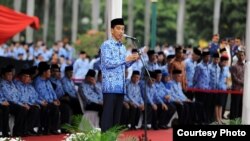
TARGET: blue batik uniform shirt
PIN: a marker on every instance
(91, 93)
(202, 76)
(44, 89)
(176, 91)
(152, 95)
(10, 92)
(28, 93)
(113, 64)
(81, 68)
(162, 91)
(224, 74)
(69, 87)
(134, 93)
(190, 69)
(214, 76)
(58, 87)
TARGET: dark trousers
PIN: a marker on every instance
(165, 116)
(125, 115)
(152, 116)
(112, 108)
(49, 118)
(33, 118)
(20, 114)
(235, 106)
(134, 116)
(183, 113)
(4, 122)
(75, 106)
(207, 100)
(66, 112)
(190, 95)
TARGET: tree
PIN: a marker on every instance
(59, 20)
(17, 7)
(147, 23)
(181, 22)
(217, 5)
(95, 13)
(30, 12)
(74, 27)
(130, 18)
(46, 20)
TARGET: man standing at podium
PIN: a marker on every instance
(113, 64)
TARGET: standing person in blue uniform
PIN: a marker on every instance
(214, 45)
(201, 81)
(221, 99)
(213, 84)
(190, 64)
(113, 64)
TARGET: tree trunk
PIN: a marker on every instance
(217, 5)
(130, 18)
(59, 20)
(246, 95)
(30, 12)
(75, 9)
(180, 22)
(95, 13)
(46, 20)
(147, 23)
(17, 6)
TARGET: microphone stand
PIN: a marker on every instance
(144, 94)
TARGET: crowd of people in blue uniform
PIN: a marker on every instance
(45, 95)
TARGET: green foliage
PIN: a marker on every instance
(236, 121)
(82, 130)
(199, 19)
(90, 42)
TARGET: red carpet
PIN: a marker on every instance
(159, 135)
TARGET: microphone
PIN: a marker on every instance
(130, 37)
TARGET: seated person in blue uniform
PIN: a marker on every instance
(164, 93)
(70, 90)
(154, 101)
(4, 113)
(92, 93)
(11, 97)
(184, 106)
(50, 109)
(135, 101)
(65, 109)
(30, 97)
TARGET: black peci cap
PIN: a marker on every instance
(117, 21)
(91, 73)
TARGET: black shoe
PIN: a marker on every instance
(54, 132)
(143, 127)
(155, 127)
(132, 128)
(163, 127)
